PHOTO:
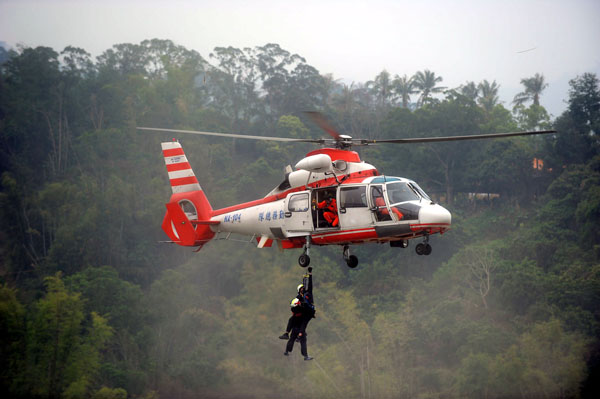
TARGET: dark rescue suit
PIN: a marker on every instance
(306, 300)
(298, 323)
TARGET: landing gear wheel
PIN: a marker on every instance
(427, 249)
(404, 243)
(420, 249)
(304, 260)
(352, 261)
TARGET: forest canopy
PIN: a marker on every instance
(93, 306)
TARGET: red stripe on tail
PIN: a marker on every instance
(173, 152)
(183, 181)
(178, 166)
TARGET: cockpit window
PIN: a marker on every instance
(401, 192)
(419, 190)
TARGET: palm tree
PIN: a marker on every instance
(534, 87)
(404, 87)
(344, 100)
(381, 87)
(469, 90)
(330, 87)
(426, 82)
(489, 94)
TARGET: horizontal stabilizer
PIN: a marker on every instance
(204, 222)
(264, 241)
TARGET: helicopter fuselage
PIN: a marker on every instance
(332, 198)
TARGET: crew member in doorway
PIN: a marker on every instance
(330, 212)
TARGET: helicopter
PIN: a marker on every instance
(332, 197)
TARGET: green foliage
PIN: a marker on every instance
(553, 359)
(62, 345)
(108, 393)
(12, 339)
(506, 305)
(535, 117)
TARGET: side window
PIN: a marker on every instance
(377, 196)
(353, 197)
(379, 206)
(298, 203)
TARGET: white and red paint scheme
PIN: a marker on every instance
(372, 208)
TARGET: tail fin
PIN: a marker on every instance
(181, 175)
(187, 221)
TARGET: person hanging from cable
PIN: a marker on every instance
(298, 323)
(330, 212)
(305, 296)
(306, 291)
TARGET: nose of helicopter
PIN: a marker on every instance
(435, 217)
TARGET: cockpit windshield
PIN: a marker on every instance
(419, 190)
(401, 192)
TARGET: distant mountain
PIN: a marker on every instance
(4, 55)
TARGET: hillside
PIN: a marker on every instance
(92, 305)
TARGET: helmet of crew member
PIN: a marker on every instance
(295, 302)
(300, 286)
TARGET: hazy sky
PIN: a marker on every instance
(354, 40)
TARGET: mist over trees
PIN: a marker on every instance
(93, 306)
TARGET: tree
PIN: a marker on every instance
(77, 61)
(584, 102)
(353, 106)
(277, 69)
(12, 337)
(162, 55)
(403, 87)
(426, 82)
(534, 87)
(464, 321)
(63, 347)
(532, 117)
(489, 95)
(190, 340)
(475, 376)
(381, 88)
(345, 101)
(554, 360)
(441, 165)
(233, 85)
(470, 90)
(38, 125)
(124, 59)
(498, 164)
(578, 126)
(481, 264)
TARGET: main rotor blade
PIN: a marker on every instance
(234, 136)
(323, 123)
(458, 138)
